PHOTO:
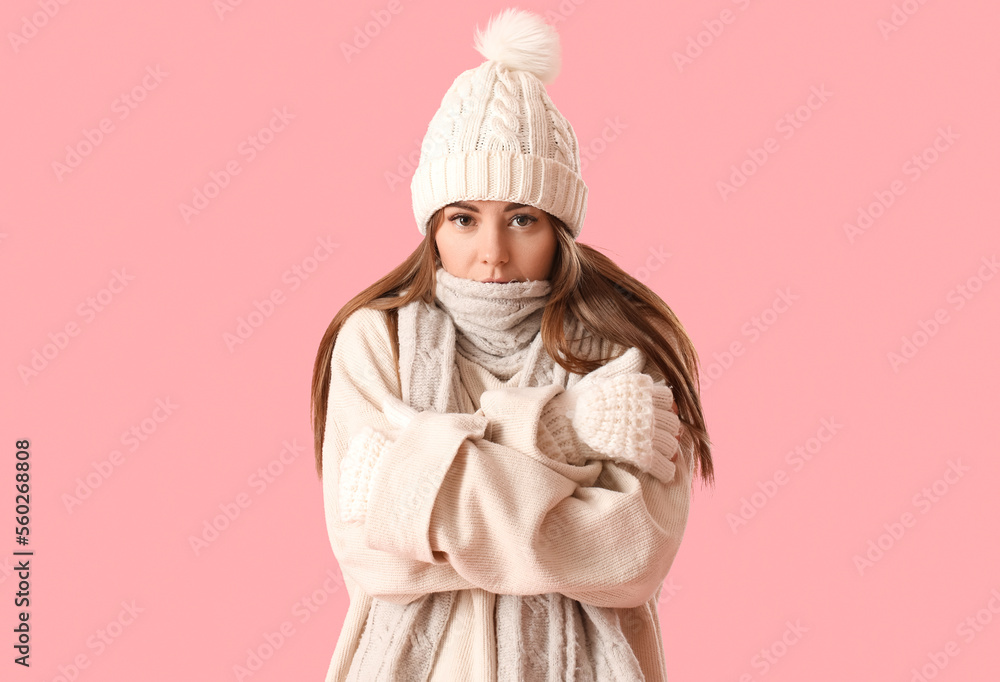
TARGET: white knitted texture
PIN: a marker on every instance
(619, 418)
(493, 323)
(357, 470)
(618, 638)
(497, 136)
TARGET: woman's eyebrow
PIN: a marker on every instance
(470, 207)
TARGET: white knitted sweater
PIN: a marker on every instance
(479, 499)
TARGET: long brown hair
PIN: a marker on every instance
(610, 303)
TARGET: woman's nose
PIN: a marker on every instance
(493, 244)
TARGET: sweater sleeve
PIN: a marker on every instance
(509, 518)
(590, 526)
(361, 371)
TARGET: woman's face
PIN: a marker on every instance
(485, 240)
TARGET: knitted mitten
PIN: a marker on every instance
(360, 464)
(626, 418)
(357, 469)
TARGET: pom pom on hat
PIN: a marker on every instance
(521, 40)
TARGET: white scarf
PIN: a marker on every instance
(540, 638)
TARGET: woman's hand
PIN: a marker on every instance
(357, 469)
(360, 463)
(616, 412)
(626, 418)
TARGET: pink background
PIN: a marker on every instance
(907, 481)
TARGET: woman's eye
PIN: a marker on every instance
(522, 220)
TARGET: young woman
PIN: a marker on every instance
(507, 425)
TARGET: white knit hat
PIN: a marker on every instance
(497, 136)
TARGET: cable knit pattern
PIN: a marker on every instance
(504, 124)
(357, 469)
(519, 553)
(497, 136)
(497, 326)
